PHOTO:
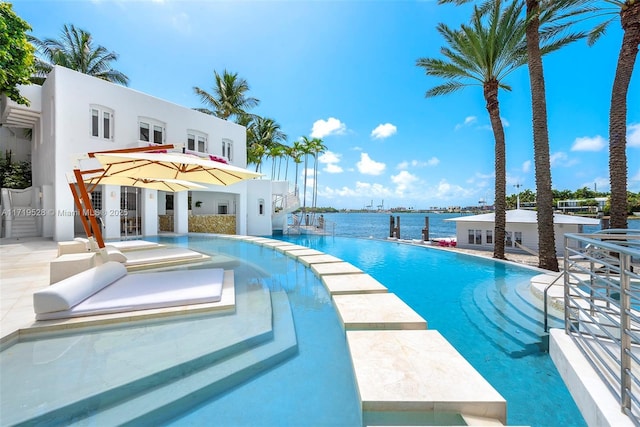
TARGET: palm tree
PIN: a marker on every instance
(267, 134)
(484, 54)
(75, 50)
(306, 148)
(297, 150)
(629, 12)
(557, 14)
(229, 96)
(318, 148)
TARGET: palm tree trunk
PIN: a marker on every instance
(547, 257)
(304, 195)
(630, 19)
(491, 96)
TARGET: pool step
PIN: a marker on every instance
(181, 350)
(509, 321)
(173, 398)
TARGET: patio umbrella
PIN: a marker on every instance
(172, 166)
(171, 185)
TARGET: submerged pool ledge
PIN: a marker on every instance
(399, 366)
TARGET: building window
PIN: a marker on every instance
(517, 235)
(489, 234)
(101, 122)
(197, 141)
(508, 241)
(223, 208)
(96, 200)
(261, 207)
(151, 131)
(227, 149)
(475, 237)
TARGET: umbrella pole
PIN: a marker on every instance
(86, 200)
(78, 204)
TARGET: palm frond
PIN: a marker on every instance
(445, 89)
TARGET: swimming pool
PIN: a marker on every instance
(315, 385)
(442, 287)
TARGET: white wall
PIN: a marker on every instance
(66, 134)
(529, 235)
(259, 224)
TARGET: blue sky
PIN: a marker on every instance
(345, 71)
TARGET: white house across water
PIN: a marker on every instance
(477, 231)
(72, 114)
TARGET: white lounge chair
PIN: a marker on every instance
(108, 288)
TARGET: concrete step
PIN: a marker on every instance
(132, 360)
(156, 406)
(24, 226)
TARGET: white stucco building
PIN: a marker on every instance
(477, 231)
(73, 114)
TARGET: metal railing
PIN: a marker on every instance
(602, 309)
(311, 224)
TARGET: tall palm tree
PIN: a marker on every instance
(229, 96)
(297, 151)
(484, 53)
(557, 15)
(629, 12)
(306, 148)
(75, 50)
(318, 148)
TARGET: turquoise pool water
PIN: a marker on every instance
(440, 286)
(316, 385)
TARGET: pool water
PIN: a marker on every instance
(316, 386)
(434, 283)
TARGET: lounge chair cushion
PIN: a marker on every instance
(144, 291)
(75, 289)
(114, 254)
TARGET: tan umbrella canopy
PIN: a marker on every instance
(146, 166)
(172, 166)
(171, 185)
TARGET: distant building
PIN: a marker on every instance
(575, 206)
(477, 231)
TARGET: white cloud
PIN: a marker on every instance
(526, 166)
(434, 161)
(586, 143)
(331, 126)
(332, 168)
(362, 189)
(560, 159)
(467, 122)
(403, 182)
(446, 191)
(368, 166)
(505, 123)
(383, 131)
(329, 157)
(633, 135)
